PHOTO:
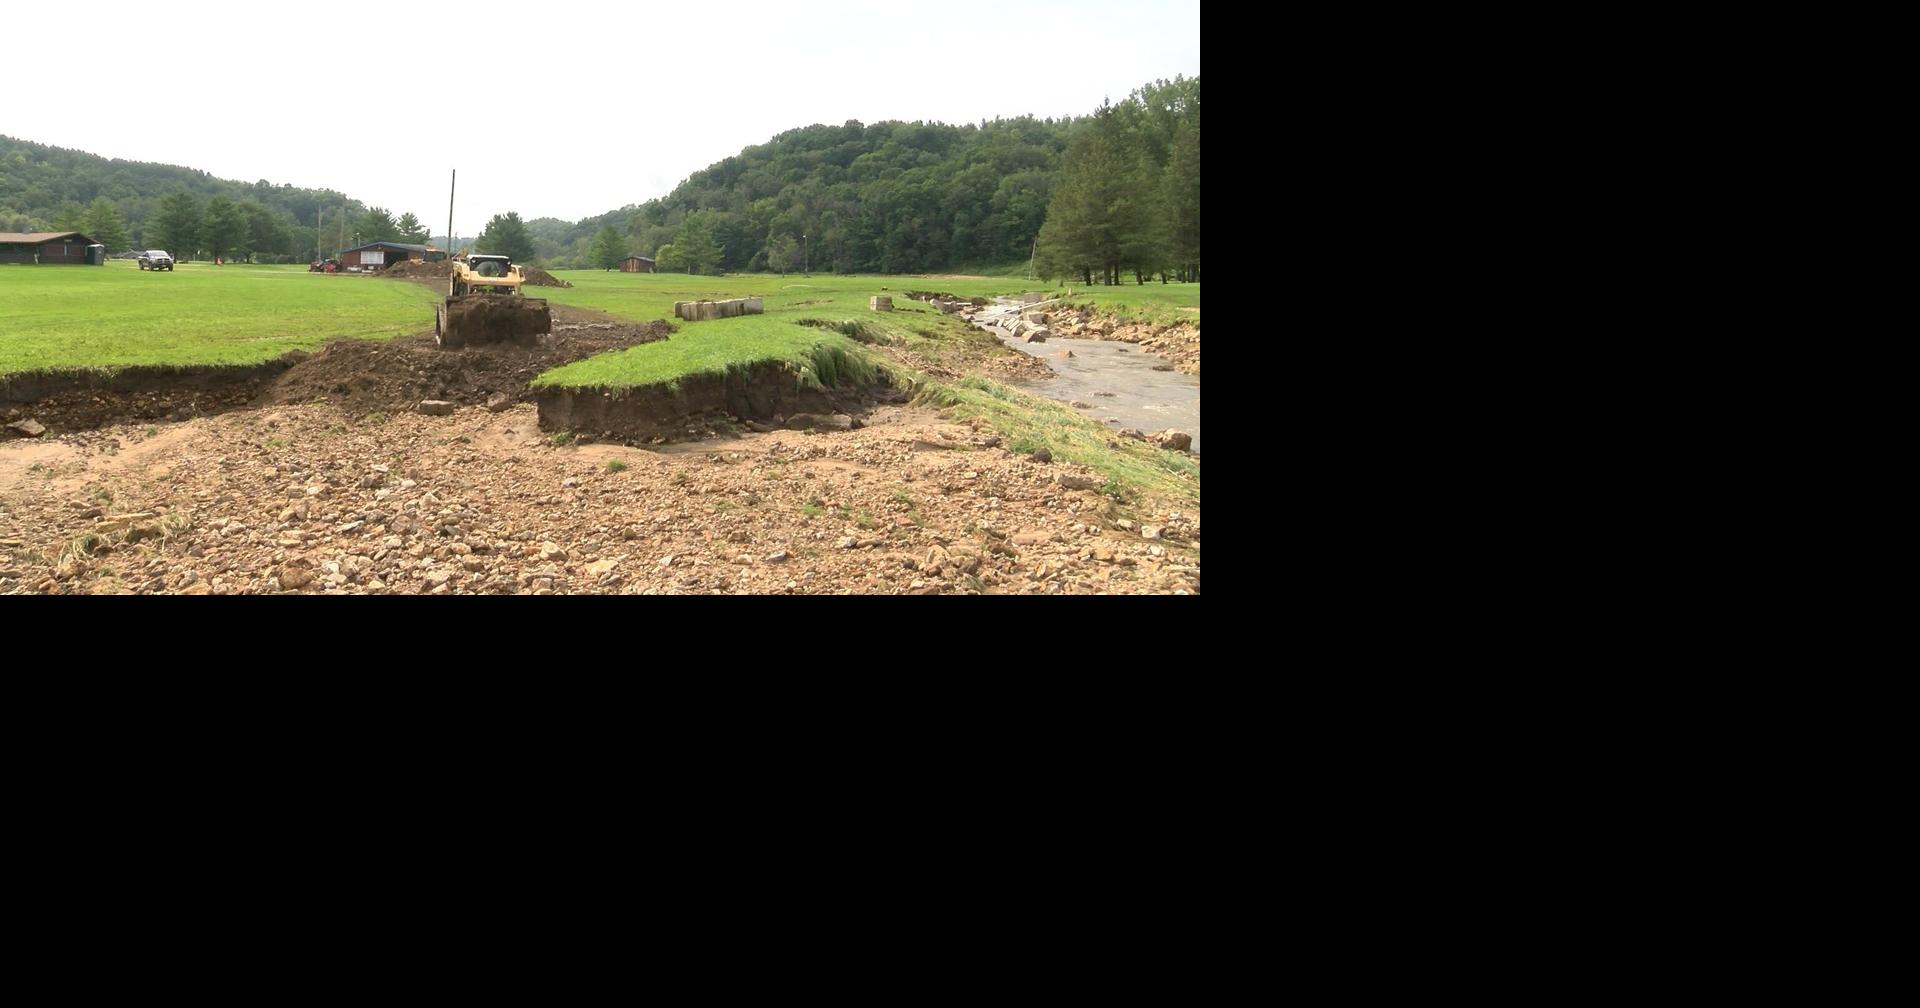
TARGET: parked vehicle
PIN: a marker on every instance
(156, 259)
(324, 266)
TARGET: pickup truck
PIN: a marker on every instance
(156, 259)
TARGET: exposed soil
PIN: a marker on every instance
(699, 405)
(537, 277)
(359, 375)
(333, 483)
(312, 500)
(409, 270)
(395, 376)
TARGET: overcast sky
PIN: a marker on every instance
(552, 108)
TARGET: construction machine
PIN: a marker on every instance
(484, 305)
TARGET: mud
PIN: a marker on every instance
(70, 400)
(493, 318)
(701, 405)
(395, 376)
(358, 375)
(537, 277)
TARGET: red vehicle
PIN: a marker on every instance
(327, 266)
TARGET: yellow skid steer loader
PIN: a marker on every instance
(484, 305)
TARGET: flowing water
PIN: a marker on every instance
(1117, 380)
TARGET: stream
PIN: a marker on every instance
(1117, 378)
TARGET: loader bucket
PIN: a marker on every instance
(491, 318)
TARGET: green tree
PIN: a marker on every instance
(783, 254)
(506, 234)
(411, 230)
(175, 226)
(223, 227)
(1183, 201)
(70, 217)
(607, 249)
(106, 225)
(1100, 216)
(695, 245)
(667, 259)
(377, 225)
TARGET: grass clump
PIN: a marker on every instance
(815, 358)
(561, 438)
(615, 465)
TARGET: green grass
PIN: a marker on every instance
(647, 296)
(1029, 423)
(1153, 302)
(817, 357)
(118, 315)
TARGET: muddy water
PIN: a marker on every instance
(1140, 396)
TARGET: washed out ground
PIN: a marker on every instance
(329, 482)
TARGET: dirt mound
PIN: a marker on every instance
(409, 269)
(493, 318)
(537, 277)
(395, 376)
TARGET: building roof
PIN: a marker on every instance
(394, 245)
(35, 238)
(641, 258)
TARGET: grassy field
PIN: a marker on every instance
(647, 296)
(118, 315)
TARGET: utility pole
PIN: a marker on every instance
(1031, 253)
(450, 185)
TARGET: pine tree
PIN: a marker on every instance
(105, 225)
(607, 249)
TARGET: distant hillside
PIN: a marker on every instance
(893, 197)
(51, 188)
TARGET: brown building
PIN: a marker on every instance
(380, 255)
(50, 247)
(636, 264)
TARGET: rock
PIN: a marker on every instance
(1038, 334)
(778, 556)
(1077, 404)
(436, 407)
(27, 428)
(1174, 440)
(295, 574)
(1073, 482)
(1130, 432)
(1031, 537)
(498, 402)
(197, 589)
(551, 552)
(1042, 455)
(601, 567)
(1151, 532)
(846, 542)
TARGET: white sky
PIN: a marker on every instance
(552, 108)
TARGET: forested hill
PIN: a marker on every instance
(890, 197)
(51, 188)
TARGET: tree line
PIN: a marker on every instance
(1127, 196)
(46, 188)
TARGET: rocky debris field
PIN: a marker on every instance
(312, 498)
(1178, 344)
